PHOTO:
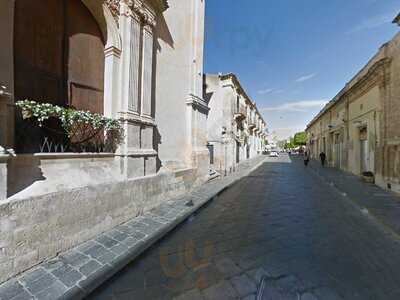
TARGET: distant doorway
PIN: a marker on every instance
(237, 152)
(211, 152)
(364, 151)
(338, 151)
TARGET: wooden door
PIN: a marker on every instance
(85, 62)
(59, 59)
(39, 50)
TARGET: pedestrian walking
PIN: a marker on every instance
(322, 156)
(306, 158)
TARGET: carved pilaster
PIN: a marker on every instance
(147, 69)
(134, 65)
(131, 38)
(5, 113)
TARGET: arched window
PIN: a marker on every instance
(59, 59)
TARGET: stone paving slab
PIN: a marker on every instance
(283, 222)
(77, 272)
(382, 205)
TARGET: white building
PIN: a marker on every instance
(137, 61)
(236, 130)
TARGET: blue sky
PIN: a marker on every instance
(292, 56)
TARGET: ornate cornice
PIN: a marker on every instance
(197, 103)
(149, 18)
(235, 84)
(113, 6)
(135, 118)
(135, 8)
(377, 74)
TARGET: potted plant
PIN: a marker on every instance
(82, 128)
(368, 177)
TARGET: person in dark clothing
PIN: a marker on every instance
(306, 158)
(322, 156)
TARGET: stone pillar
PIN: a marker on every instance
(111, 70)
(3, 175)
(147, 72)
(197, 109)
(3, 142)
(138, 158)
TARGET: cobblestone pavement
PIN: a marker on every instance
(75, 273)
(382, 204)
(283, 226)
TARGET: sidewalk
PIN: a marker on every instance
(77, 272)
(383, 205)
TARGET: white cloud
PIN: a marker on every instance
(278, 91)
(270, 91)
(373, 22)
(266, 91)
(306, 77)
(299, 106)
(286, 132)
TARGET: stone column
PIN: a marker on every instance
(147, 72)
(6, 119)
(138, 158)
(197, 109)
(111, 70)
(4, 103)
(3, 176)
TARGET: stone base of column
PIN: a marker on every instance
(3, 176)
(137, 156)
(139, 164)
(200, 159)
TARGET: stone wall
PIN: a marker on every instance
(371, 100)
(33, 229)
(153, 85)
(390, 151)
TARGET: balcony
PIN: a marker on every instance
(252, 125)
(240, 113)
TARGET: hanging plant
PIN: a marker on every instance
(80, 126)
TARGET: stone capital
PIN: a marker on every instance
(113, 6)
(149, 21)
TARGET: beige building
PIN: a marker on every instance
(236, 129)
(137, 61)
(359, 130)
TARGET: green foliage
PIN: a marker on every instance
(300, 139)
(70, 118)
(67, 116)
(289, 145)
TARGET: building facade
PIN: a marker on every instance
(359, 129)
(236, 129)
(128, 60)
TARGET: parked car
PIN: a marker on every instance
(274, 154)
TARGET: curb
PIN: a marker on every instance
(102, 275)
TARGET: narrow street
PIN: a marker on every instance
(282, 222)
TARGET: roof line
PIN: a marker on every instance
(242, 91)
